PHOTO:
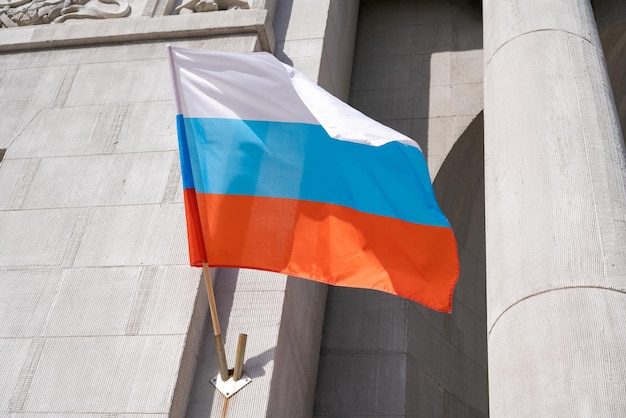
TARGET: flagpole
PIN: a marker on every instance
(225, 384)
(217, 332)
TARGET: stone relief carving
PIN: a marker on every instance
(196, 6)
(36, 12)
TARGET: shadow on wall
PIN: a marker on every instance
(281, 24)
(611, 20)
(613, 39)
(460, 190)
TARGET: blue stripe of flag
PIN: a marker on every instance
(301, 161)
(185, 162)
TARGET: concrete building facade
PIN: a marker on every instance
(518, 106)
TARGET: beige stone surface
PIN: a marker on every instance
(100, 312)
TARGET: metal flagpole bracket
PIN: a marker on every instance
(236, 377)
(231, 386)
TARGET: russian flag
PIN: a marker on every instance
(279, 175)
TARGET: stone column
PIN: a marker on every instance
(555, 214)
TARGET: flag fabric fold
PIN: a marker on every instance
(280, 175)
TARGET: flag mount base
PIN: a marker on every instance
(230, 387)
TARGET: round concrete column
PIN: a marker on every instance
(555, 214)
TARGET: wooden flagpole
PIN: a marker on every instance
(217, 332)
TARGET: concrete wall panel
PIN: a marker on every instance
(92, 235)
(95, 129)
(45, 246)
(355, 390)
(370, 328)
(425, 396)
(121, 179)
(141, 234)
(74, 372)
(135, 81)
(26, 300)
(92, 302)
(163, 300)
